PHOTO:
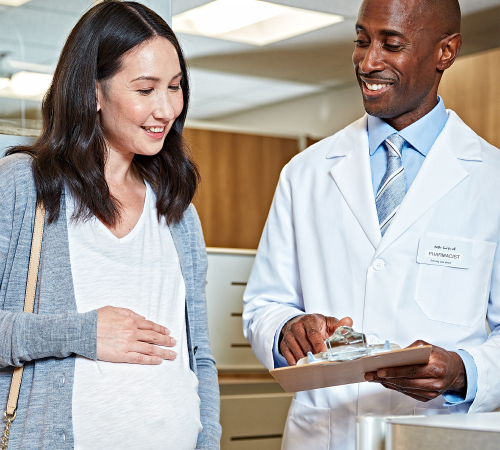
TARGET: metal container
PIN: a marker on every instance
(371, 432)
(448, 431)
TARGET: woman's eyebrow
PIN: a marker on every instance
(145, 78)
(149, 78)
(177, 76)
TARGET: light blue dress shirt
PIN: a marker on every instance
(420, 137)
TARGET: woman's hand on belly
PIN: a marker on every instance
(126, 337)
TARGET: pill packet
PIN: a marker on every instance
(346, 344)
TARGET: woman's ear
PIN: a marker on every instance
(98, 94)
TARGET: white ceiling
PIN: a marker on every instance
(216, 93)
(212, 99)
(35, 33)
(197, 46)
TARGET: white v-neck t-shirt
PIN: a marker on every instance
(119, 405)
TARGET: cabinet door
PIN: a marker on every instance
(226, 281)
(252, 422)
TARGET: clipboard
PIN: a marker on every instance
(335, 373)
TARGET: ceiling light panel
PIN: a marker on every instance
(29, 84)
(13, 2)
(4, 82)
(250, 21)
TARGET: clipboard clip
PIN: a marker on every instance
(346, 344)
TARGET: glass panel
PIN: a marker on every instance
(32, 35)
(31, 40)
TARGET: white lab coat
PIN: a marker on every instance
(321, 252)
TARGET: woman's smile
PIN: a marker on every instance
(154, 132)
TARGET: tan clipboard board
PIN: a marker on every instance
(327, 374)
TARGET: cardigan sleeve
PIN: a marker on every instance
(34, 336)
(26, 337)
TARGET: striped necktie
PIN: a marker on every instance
(392, 188)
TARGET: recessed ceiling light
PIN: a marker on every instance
(250, 21)
(29, 84)
(4, 82)
(13, 2)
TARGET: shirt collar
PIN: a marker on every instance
(421, 134)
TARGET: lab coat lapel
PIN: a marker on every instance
(352, 174)
(439, 174)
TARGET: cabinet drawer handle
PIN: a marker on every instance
(251, 438)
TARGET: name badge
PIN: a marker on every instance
(444, 252)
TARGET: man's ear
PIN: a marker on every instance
(450, 48)
(98, 94)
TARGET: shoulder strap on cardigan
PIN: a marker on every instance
(29, 303)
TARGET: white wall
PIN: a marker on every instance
(162, 7)
(7, 141)
(317, 115)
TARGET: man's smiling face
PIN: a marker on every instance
(395, 59)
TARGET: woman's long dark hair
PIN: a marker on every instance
(71, 149)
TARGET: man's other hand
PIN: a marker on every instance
(445, 371)
(307, 333)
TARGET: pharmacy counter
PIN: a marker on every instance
(454, 432)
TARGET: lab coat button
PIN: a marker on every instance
(378, 264)
(372, 340)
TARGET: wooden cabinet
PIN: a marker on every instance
(228, 272)
(470, 87)
(253, 406)
(239, 174)
(253, 421)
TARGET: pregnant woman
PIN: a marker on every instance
(116, 354)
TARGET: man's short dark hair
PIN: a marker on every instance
(446, 11)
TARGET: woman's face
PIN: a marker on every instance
(139, 104)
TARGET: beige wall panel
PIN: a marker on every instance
(239, 176)
(470, 87)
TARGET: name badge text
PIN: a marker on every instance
(444, 252)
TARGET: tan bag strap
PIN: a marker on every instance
(29, 302)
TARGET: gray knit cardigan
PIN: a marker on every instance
(47, 341)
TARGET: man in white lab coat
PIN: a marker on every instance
(392, 224)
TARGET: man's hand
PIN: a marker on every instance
(445, 371)
(307, 333)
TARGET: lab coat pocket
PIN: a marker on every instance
(306, 425)
(453, 295)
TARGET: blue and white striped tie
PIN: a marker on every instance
(392, 188)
